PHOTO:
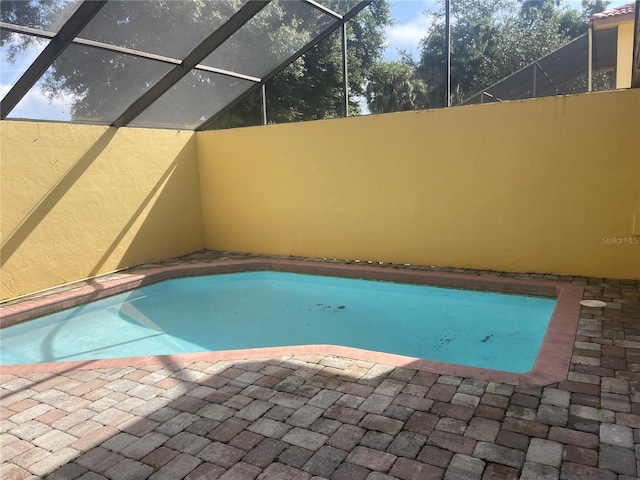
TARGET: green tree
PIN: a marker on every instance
(589, 7)
(490, 39)
(394, 87)
(102, 83)
(311, 88)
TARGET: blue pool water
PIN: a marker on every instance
(264, 309)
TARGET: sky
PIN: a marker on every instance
(410, 26)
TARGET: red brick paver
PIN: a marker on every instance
(294, 416)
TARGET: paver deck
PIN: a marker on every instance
(319, 416)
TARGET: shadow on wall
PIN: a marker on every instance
(170, 210)
(31, 221)
(131, 197)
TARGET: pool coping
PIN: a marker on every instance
(551, 365)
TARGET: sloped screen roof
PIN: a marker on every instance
(151, 63)
(557, 73)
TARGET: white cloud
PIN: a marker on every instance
(11, 71)
(407, 35)
(410, 27)
(36, 106)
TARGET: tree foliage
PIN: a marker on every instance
(490, 39)
(394, 87)
(102, 84)
(40, 14)
(311, 88)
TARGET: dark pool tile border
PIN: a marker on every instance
(551, 366)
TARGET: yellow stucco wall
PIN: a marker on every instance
(545, 185)
(77, 201)
(625, 55)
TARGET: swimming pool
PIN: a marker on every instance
(268, 309)
(355, 325)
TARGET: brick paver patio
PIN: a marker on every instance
(326, 417)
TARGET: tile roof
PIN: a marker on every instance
(629, 8)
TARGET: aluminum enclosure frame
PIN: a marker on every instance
(88, 9)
